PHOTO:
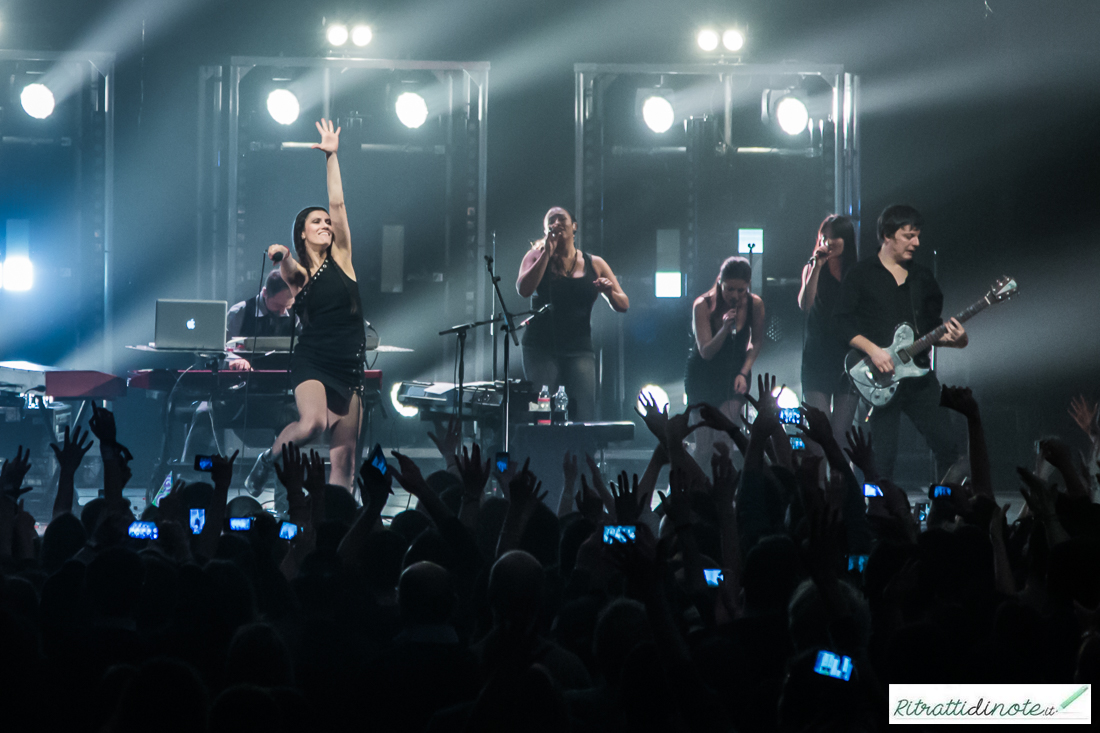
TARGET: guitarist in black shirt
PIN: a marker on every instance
(877, 295)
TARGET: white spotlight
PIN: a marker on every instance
(667, 285)
(656, 393)
(361, 35)
(658, 114)
(785, 397)
(37, 101)
(18, 274)
(403, 410)
(733, 40)
(411, 109)
(283, 106)
(337, 34)
(791, 115)
(707, 39)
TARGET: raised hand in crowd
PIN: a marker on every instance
(569, 470)
(475, 475)
(1057, 453)
(221, 474)
(1084, 415)
(448, 441)
(292, 475)
(588, 502)
(102, 425)
(524, 496)
(375, 487)
(961, 400)
(724, 480)
(653, 415)
(627, 499)
(714, 418)
(69, 456)
(861, 451)
(316, 486)
(1040, 497)
(598, 484)
(12, 474)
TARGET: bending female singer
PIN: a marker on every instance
(824, 383)
(557, 346)
(728, 323)
(326, 367)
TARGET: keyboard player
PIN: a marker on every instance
(266, 314)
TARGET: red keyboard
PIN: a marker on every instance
(262, 380)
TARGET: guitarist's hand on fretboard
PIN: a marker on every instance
(955, 336)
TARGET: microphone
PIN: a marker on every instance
(536, 314)
(277, 257)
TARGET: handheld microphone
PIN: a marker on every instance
(277, 257)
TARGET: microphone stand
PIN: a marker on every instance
(509, 331)
(494, 329)
(461, 332)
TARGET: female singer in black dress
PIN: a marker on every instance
(557, 346)
(326, 367)
(824, 383)
(728, 324)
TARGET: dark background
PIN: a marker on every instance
(984, 115)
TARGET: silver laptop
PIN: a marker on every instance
(190, 325)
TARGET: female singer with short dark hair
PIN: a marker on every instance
(326, 367)
(824, 383)
(557, 345)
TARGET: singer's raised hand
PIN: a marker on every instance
(277, 252)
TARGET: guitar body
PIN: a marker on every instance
(879, 389)
(872, 385)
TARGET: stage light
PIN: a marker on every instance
(656, 393)
(667, 285)
(707, 39)
(361, 35)
(18, 273)
(733, 40)
(337, 34)
(785, 397)
(403, 410)
(37, 101)
(411, 109)
(658, 114)
(791, 114)
(283, 106)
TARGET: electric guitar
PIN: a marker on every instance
(878, 388)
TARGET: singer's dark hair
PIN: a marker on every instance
(275, 283)
(733, 268)
(299, 227)
(836, 226)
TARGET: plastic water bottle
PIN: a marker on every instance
(560, 403)
(544, 406)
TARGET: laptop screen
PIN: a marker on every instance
(190, 325)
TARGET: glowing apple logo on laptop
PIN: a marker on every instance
(190, 324)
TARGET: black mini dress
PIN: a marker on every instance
(333, 344)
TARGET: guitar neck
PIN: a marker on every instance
(926, 341)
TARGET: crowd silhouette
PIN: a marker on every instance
(484, 609)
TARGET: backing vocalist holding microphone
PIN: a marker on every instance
(326, 367)
(557, 345)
